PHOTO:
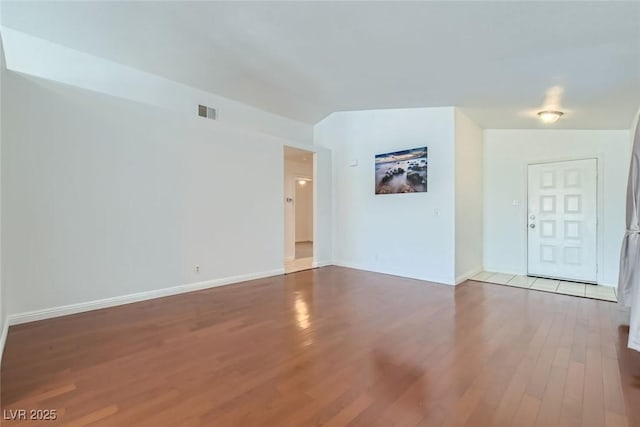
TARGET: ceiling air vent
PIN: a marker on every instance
(207, 112)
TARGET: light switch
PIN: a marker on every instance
(516, 203)
(353, 163)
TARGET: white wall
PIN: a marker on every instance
(506, 155)
(323, 198)
(41, 58)
(3, 323)
(293, 169)
(632, 129)
(104, 197)
(469, 197)
(410, 235)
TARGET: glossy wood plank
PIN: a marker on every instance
(331, 346)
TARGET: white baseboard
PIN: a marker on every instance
(506, 271)
(317, 264)
(389, 272)
(48, 313)
(468, 275)
(3, 336)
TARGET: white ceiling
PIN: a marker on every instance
(304, 60)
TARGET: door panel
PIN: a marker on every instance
(562, 220)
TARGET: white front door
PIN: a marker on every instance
(562, 220)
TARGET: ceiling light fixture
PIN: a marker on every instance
(550, 116)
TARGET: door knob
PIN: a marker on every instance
(532, 226)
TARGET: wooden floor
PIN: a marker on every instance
(335, 347)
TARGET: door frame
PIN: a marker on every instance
(290, 183)
(599, 158)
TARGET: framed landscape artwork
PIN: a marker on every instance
(402, 171)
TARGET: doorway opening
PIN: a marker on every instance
(299, 190)
(562, 220)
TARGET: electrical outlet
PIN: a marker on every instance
(197, 269)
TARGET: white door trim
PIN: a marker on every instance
(600, 158)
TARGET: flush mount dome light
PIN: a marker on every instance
(550, 116)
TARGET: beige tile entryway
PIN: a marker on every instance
(295, 265)
(584, 290)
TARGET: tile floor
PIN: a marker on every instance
(298, 265)
(547, 285)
